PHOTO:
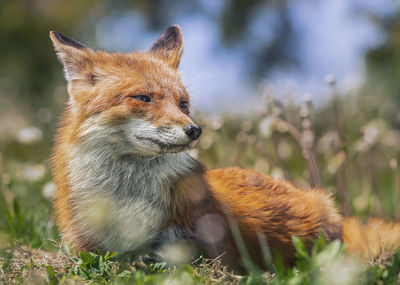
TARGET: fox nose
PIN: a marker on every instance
(193, 131)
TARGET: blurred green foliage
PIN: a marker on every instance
(383, 61)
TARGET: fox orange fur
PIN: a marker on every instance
(124, 181)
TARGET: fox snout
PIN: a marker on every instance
(193, 131)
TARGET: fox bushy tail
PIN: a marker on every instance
(373, 240)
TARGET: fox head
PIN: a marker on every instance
(135, 101)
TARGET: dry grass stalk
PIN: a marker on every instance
(342, 184)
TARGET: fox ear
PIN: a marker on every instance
(74, 56)
(169, 46)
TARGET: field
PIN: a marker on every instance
(350, 146)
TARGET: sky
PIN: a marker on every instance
(331, 38)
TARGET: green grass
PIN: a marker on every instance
(325, 264)
(350, 147)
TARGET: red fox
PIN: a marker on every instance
(124, 181)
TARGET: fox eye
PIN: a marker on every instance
(143, 98)
(184, 104)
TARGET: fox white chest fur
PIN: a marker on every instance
(122, 198)
(122, 201)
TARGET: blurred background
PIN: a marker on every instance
(308, 90)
